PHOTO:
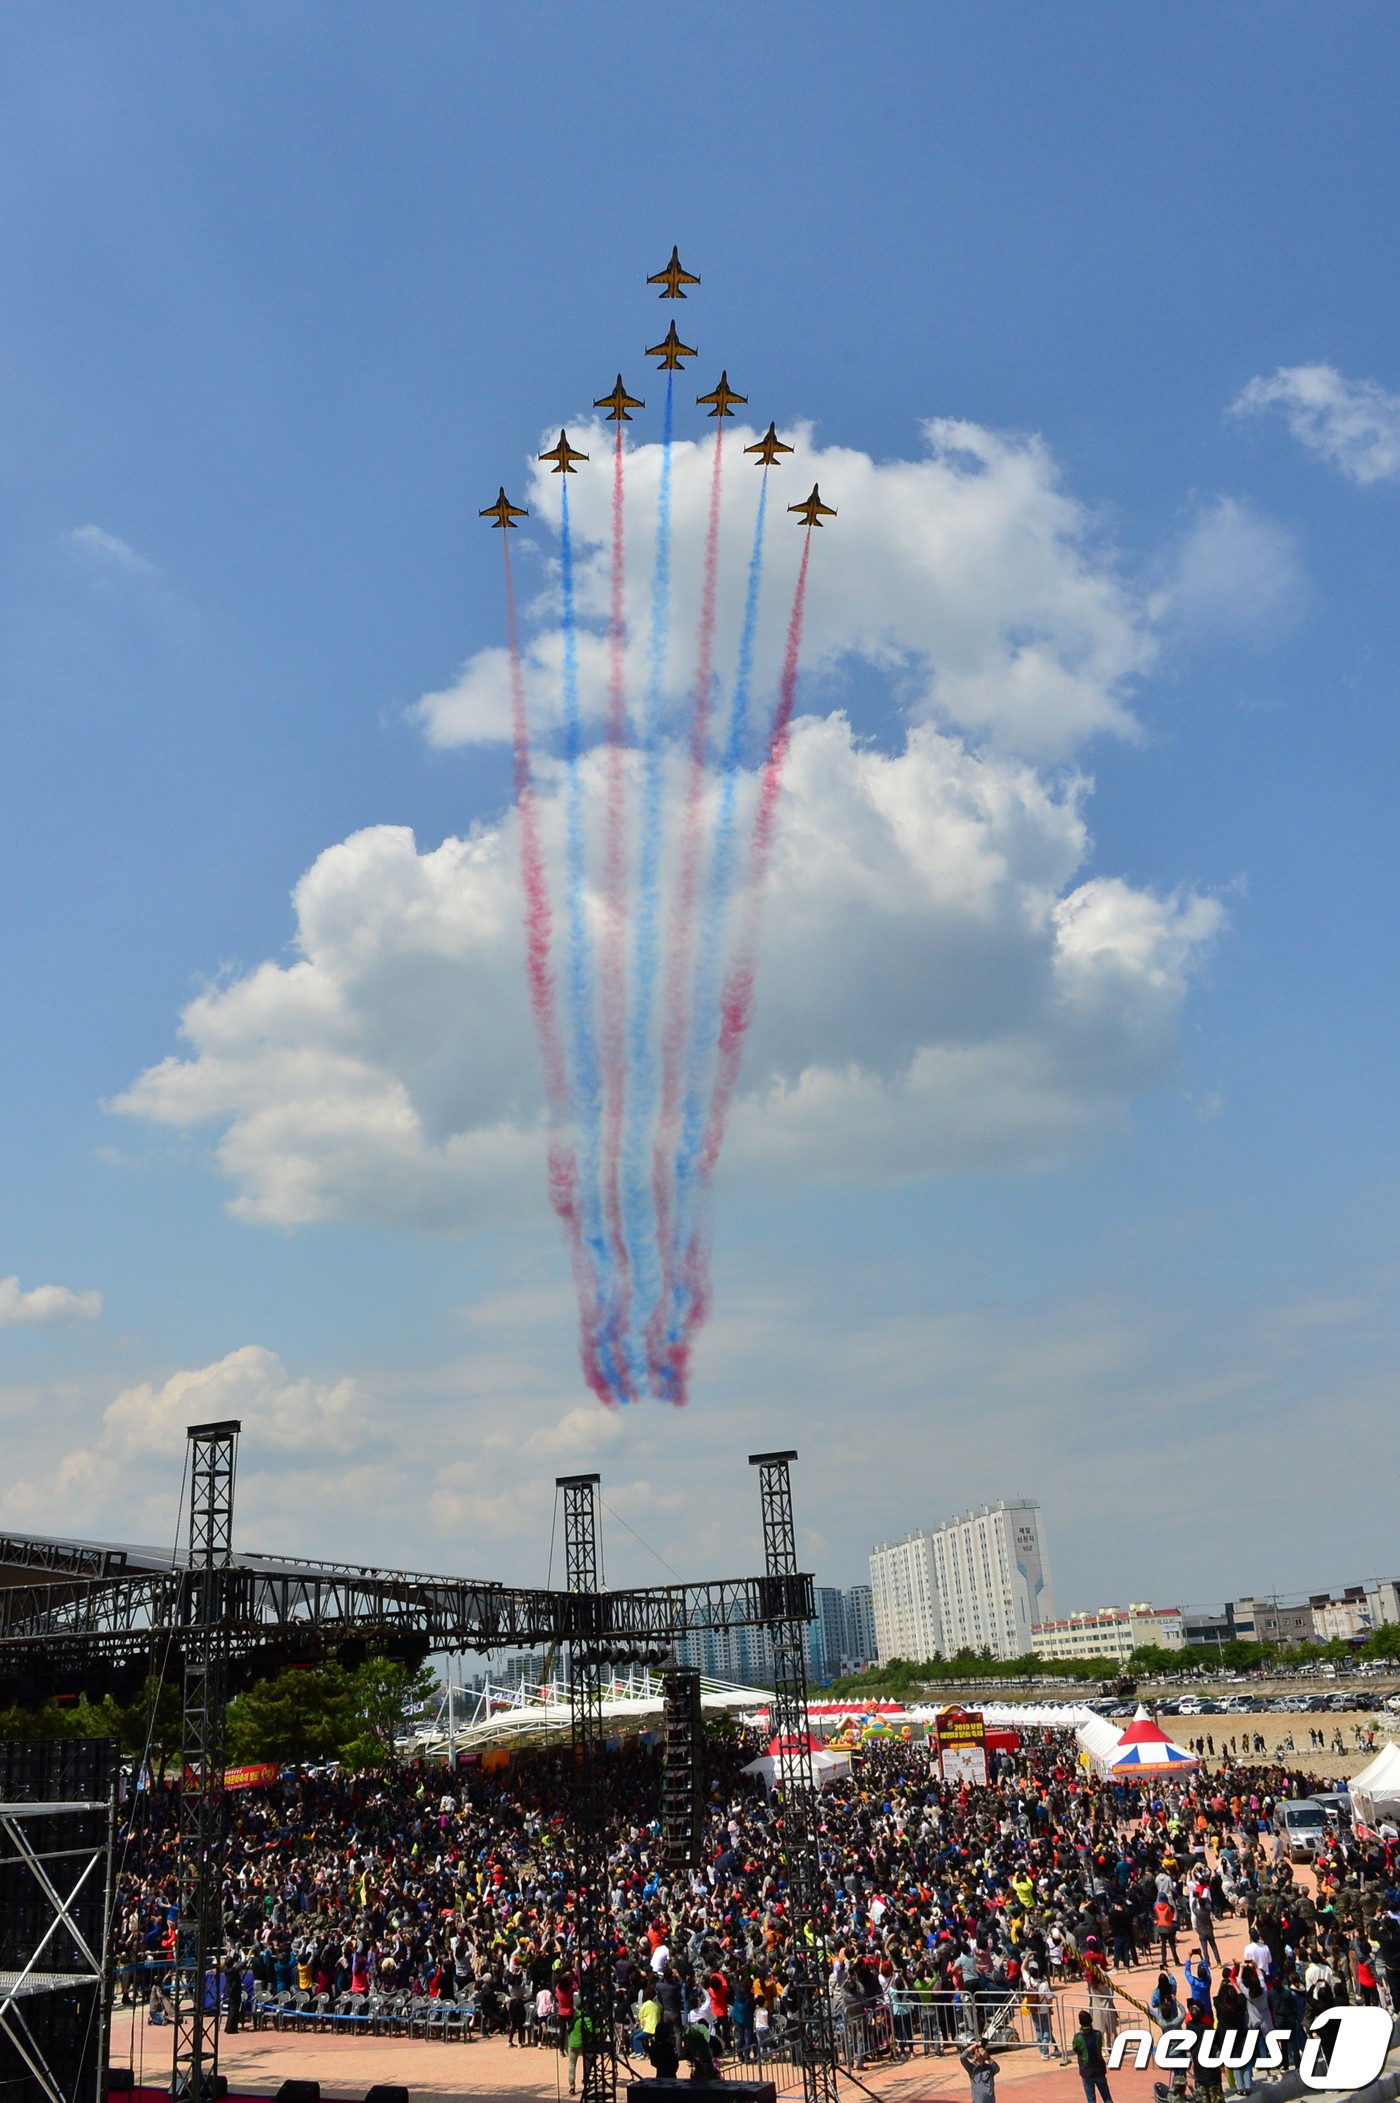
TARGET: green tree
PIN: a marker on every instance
(383, 1696)
(297, 1715)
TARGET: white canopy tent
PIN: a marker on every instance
(1375, 1792)
(1099, 1740)
(826, 1766)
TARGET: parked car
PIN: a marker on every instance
(1302, 1822)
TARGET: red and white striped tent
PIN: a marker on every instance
(1145, 1748)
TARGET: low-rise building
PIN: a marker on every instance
(1112, 1632)
(1344, 1620)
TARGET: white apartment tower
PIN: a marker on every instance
(904, 1595)
(981, 1582)
(993, 1578)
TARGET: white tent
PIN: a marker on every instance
(1375, 1792)
(827, 1766)
(1099, 1740)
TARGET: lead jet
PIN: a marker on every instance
(812, 510)
(671, 351)
(721, 396)
(503, 513)
(563, 456)
(618, 403)
(673, 277)
(768, 448)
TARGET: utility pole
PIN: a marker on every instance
(592, 1956)
(788, 1607)
(199, 1929)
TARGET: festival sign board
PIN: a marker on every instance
(961, 1736)
(260, 1776)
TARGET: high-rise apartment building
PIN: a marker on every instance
(904, 1594)
(860, 1627)
(993, 1578)
(981, 1582)
(843, 1632)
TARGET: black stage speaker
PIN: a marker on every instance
(715, 2091)
(682, 1772)
(299, 2092)
(387, 2092)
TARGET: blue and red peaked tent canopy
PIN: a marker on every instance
(1145, 1748)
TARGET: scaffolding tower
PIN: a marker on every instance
(592, 1954)
(199, 1928)
(788, 1599)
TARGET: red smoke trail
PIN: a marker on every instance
(737, 1003)
(736, 1008)
(612, 979)
(539, 973)
(675, 1023)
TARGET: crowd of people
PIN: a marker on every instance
(944, 1909)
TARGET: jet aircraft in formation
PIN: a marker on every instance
(768, 448)
(721, 396)
(503, 513)
(618, 403)
(670, 351)
(563, 455)
(812, 510)
(673, 277)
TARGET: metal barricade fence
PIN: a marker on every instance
(926, 2024)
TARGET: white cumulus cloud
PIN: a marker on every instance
(938, 987)
(45, 1306)
(142, 1432)
(943, 981)
(1353, 424)
(968, 581)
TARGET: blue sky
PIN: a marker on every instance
(290, 292)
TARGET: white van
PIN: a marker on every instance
(1303, 1823)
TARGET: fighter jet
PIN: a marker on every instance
(768, 448)
(563, 456)
(673, 277)
(671, 351)
(618, 403)
(812, 510)
(722, 396)
(503, 513)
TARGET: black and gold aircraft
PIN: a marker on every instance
(812, 510)
(768, 448)
(563, 456)
(618, 403)
(503, 513)
(721, 396)
(671, 351)
(673, 277)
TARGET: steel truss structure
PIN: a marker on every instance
(801, 1849)
(75, 1614)
(56, 1901)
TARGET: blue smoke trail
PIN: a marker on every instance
(705, 1009)
(579, 977)
(637, 1211)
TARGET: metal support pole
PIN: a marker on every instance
(789, 1611)
(593, 1956)
(199, 1932)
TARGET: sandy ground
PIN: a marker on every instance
(1278, 1729)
